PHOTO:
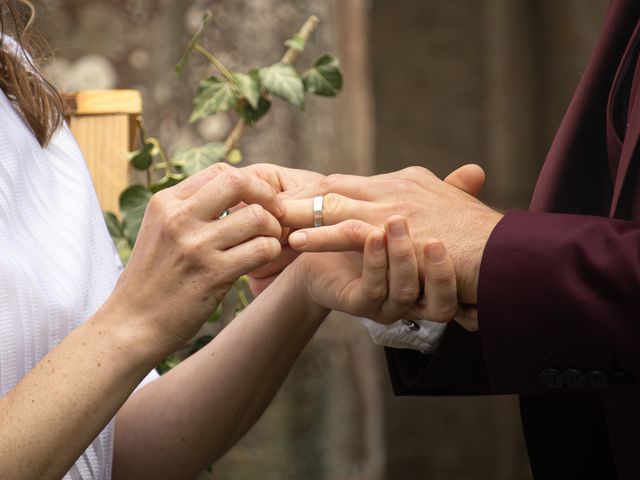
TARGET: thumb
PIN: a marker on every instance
(468, 178)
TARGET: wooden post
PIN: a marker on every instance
(103, 122)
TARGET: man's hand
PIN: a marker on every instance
(353, 206)
(292, 182)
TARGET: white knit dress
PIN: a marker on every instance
(57, 261)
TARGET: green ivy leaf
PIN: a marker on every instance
(194, 159)
(118, 236)
(182, 63)
(141, 159)
(214, 95)
(124, 250)
(296, 42)
(133, 203)
(113, 225)
(168, 363)
(252, 115)
(325, 77)
(200, 343)
(284, 82)
(169, 180)
(215, 316)
(249, 86)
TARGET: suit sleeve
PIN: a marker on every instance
(558, 308)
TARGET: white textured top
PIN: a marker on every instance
(58, 263)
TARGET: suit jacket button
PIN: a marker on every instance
(574, 378)
(551, 378)
(597, 379)
(619, 380)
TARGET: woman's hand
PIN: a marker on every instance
(381, 284)
(186, 259)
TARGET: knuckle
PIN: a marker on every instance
(220, 167)
(403, 255)
(441, 277)
(266, 249)
(376, 293)
(352, 230)
(258, 216)
(332, 202)
(442, 313)
(406, 294)
(235, 178)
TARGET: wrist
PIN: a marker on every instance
(301, 279)
(131, 334)
(482, 238)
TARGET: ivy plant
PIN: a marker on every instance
(250, 95)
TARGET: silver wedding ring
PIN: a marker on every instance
(317, 211)
(226, 213)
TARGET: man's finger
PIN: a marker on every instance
(404, 282)
(467, 316)
(374, 285)
(440, 292)
(468, 178)
(350, 235)
(336, 208)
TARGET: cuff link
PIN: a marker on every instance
(410, 326)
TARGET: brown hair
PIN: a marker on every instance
(34, 97)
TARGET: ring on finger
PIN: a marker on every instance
(318, 201)
(225, 213)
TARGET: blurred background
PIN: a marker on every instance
(427, 82)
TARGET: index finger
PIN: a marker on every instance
(230, 188)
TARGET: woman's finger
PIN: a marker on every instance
(241, 225)
(230, 188)
(350, 235)
(248, 256)
(404, 280)
(287, 256)
(189, 186)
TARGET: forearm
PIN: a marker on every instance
(184, 421)
(58, 408)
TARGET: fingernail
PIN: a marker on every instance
(378, 242)
(436, 252)
(398, 228)
(298, 239)
(280, 208)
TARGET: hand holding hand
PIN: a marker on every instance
(186, 259)
(382, 283)
(433, 208)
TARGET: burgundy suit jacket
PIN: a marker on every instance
(559, 290)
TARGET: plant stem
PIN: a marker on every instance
(234, 137)
(305, 32)
(290, 56)
(163, 155)
(206, 54)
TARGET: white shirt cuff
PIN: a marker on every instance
(421, 335)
